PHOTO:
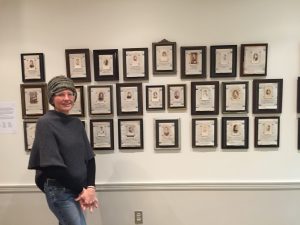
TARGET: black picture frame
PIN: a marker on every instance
(131, 133)
(102, 134)
(267, 95)
(205, 98)
(193, 62)
(235, 97)
(33, 67)
(267, 132)
(298, 95)
(164, 57)
(254, 58)
(29, 127)
(100, 99)
(176, 96)
(155, 97)
(106, 65)
(78, 108)
(129, 99)
(167, 134)
(204, 132)
(235, 132)
(34, 100)
(223, 60)
(78, 64)
(298, 134)
(135, 64)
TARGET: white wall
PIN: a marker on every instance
(53, 26)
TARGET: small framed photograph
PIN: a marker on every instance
(33, 69)
(164, 57)
(254, 59)
(223, 61)
(131, 134)
(129, 99)
(298, 95)
(106, 65)
(167, 133)
(176, 96)
(34, 100)
(78, 64)
(155, 97)
(193, 62)
(267, 131)
(78, 108)
(102, 134)
(204, 133)
(298, 133)
(100, 99)
(205, 98)
(135, 64)
(235, 132)
(235, 97)
(29, 133)
(267, 96)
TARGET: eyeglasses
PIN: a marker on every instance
(64, 94)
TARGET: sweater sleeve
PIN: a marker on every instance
(91, 171)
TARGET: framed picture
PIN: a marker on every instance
(267, 96)
(223, 61)
(129, 99)
(205, 98)
(298, 95)
(254, 59)
(100, 99)
(235, 132)
(131, 134)
(298, 133)
(167, 133)
(164, 57)
(106, 65)
(135, 64)
(235, 97)
(33, 69)
(193, 62)
(78, 108)
(34, 100)
(267, 131)
(78, 64)
(155, 97)
(102, 134)
(176, 96)
(29, 133)
(204, 133)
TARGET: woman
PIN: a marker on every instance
(62, 157)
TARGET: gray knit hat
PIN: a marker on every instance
(60, 83)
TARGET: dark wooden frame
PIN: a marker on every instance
(148, 90)
(169, 88)
(41, 67)
(213, 61)
(84, 77)
(194, 121)
(256, 91)
(145, 60)
(113, 55)
(80, 98)
(253, 55)
(194, 98)
(183, 61)
(110, 122)
(163, 43)
(225, 145)
(110, 98)
(138, 100)
(176, 123)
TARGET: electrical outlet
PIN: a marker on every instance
(138, 217)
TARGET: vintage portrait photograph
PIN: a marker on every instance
(167, 134)
(155, 97)
(254, 59)
(204, 132)
(267, 131)
(102, 134)
(176, 96)
(78, 64)
(131, 134)
(235, 97)
(100, 99)
(78, 108)
(33, 67)
(135, 64)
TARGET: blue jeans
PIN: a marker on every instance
(62, 203)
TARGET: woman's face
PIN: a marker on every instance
(63, 101)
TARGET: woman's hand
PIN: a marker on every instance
(87, 199)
